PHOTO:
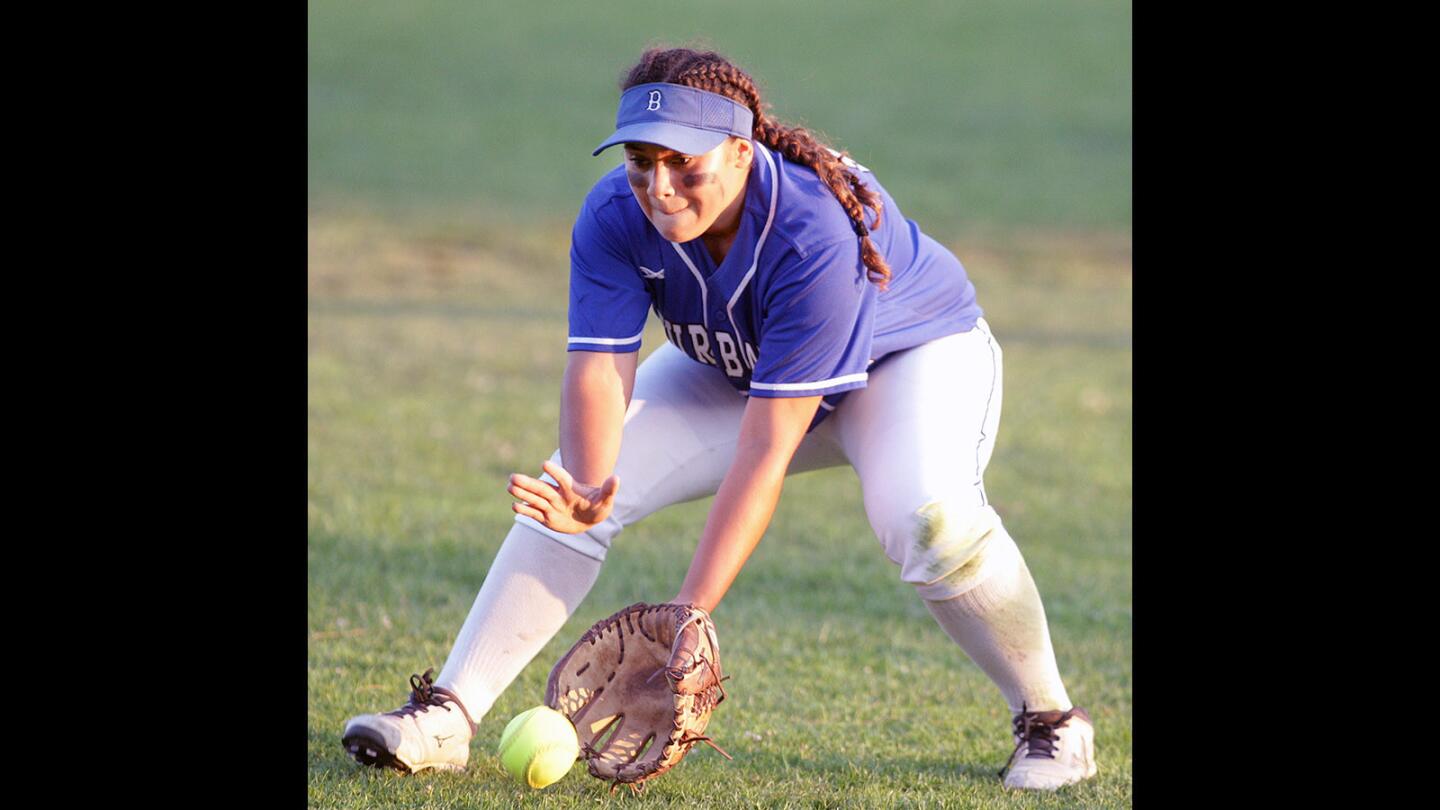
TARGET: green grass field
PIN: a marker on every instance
(449, 148)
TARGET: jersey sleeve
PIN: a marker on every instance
(608, 300)
(817, 327)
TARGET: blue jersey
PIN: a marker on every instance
(790, 311)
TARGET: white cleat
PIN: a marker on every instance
(1052, 749)
(433, 730)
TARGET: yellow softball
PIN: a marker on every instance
(538, 746)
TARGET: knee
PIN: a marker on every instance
(594, 544)
(946, 546)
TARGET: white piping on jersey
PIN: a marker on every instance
(608, 341)
(699, 279)
(848, 161)
(760, 243)
(810, 386)
(827, 406)
(648, 273)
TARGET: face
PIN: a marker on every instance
(688, 196)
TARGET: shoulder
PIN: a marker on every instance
(803, 228)
(609, 213)
(605, 199)
(808, 217)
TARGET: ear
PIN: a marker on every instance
(744, 152)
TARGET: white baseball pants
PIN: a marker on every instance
(919, 436)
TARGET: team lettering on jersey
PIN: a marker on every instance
(720, 349)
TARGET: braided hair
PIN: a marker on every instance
(709, 71)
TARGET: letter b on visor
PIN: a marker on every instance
(677, 117)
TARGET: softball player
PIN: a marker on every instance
(809, 324)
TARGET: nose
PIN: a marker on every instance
(660, 186)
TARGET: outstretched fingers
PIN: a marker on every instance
(567, 505)
(533, 494)
(563, 477)
(608, 489)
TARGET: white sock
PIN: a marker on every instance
(1001, 625)
(533, 587)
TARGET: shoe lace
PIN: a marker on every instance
(1036, 730)
(424, 694)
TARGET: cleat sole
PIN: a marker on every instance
(367, 750)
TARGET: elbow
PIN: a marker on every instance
(599, 370)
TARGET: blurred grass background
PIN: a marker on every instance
(993, 114)
(448, 151)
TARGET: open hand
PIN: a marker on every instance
(569, 508)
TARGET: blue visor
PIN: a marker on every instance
(677, 117)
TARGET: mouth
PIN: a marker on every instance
(657, 209)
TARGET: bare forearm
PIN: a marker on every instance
(592, 413)
(746, 500)
(738, 518)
